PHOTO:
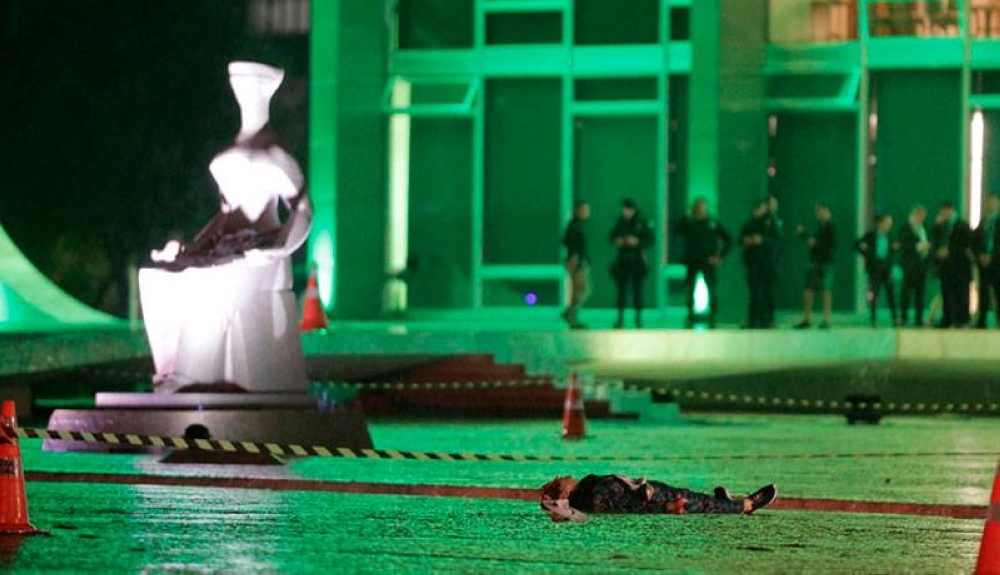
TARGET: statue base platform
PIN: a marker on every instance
(198, 400)
(281, 418)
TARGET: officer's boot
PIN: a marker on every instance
(621, 319)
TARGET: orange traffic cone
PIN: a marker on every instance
(989, 551)
(13, 499)
(313, 316)
(574, 419)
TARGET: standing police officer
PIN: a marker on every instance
(953, 254)
(877, 249)
(632, 235)
(759, 238)
(914, 247)
(706, 243)
(988, 258)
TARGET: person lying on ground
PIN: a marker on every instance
(566, 499)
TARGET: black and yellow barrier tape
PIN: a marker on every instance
(292, 450)
(826, 405)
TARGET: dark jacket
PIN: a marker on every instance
(703, 239)
(764, 256)
(910, 258)
(821, 252)
(981, 243)
(631, 258)
(957, 238)
(867, 246)
(612, 494)
(575, 241)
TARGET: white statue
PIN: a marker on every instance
(219, 311)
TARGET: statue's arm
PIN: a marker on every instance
(295, 230)
(208, 235)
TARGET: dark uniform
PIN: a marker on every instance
(987, 243)
(630, 266)
(955, 270)
(578, 267)
(761, 263)
(877, 250)
(704, 239)
(914, 265)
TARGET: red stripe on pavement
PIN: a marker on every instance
(288, 485)
(849, 506)
(784, 503)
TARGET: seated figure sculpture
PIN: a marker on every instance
(219, 310)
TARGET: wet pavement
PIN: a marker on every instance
(142, 528)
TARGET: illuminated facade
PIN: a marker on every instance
(448, 137)
(497, 114)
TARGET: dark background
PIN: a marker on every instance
(110, 112)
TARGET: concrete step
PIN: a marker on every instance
(626, 402)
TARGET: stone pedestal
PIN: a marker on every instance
(227, 327)
(260, 418)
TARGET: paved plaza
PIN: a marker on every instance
(191, 529)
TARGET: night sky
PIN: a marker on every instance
(110, 112)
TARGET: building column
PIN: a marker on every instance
(347, 165)
(322, 178)
(728, 138)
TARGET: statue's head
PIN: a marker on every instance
(253, 84)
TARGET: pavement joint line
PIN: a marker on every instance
(295, 450)
(481, 492)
